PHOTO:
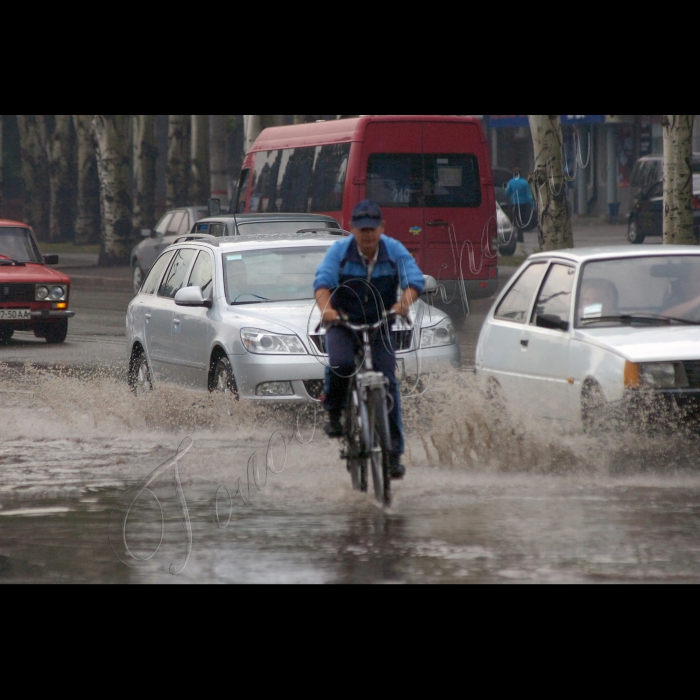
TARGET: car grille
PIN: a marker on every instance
(692, 371)
(315, 388)
(402, 340)
(17, 292)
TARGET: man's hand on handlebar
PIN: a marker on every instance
(400, 309)
(330, 316)
(407, 299)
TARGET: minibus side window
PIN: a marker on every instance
(267, 166)
(300, 180)
(294, 180)
(242, 193)
(328, 183)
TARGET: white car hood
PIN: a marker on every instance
(646, 344)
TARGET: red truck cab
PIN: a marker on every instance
(33, 297)
(430, 174)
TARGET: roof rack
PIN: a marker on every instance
(198, 237)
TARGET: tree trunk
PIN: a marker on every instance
(201, 185)
(87, 222)
(178, 161)
(113, 168)
(255, 123)
(548, 185)
(678, 179)
(59, 152)
(217, 154)
(145, 156)
(35, 174)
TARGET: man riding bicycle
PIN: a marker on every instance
(359, 279)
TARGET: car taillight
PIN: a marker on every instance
(696, 203)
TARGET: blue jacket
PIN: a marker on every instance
(343, 272)
(519, 192)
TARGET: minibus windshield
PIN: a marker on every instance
(424, 180)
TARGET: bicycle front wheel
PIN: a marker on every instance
(355, 455)
(379, 424)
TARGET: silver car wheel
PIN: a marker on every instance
(140, 379)
(223, 380)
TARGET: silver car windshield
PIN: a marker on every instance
(247, 228)
(257, 276)
(16, 243)
(654, 290)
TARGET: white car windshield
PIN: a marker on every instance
(653, 290)
(16, 243)
(284, 274)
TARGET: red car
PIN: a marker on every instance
(33, 297)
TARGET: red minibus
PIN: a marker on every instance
(431, 175)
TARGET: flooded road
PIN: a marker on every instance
(257, 500)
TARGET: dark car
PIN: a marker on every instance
(174, 223)
(647, 215)
(254, 224)
(233, 225)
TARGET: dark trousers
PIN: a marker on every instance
(522, 214)
(342, 344)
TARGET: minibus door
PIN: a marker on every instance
(453, 200)
(392, 160)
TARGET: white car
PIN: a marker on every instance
(238, 314)
(579, 336)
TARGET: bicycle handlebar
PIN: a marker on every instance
(386, 316)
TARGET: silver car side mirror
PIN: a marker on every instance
(191, 296)
(431, 285)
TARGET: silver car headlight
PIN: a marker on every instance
(42, 292)
(436, 336)
(662, 375)
(265, 343)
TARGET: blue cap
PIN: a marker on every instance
(367, 214)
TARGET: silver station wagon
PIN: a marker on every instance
(238, 315)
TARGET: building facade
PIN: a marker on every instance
(607, 145)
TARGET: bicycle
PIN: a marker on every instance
(367, 436)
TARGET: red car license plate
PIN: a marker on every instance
(15, 315)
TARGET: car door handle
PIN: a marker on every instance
(437, 223)
(176, 322)
(524, 343)
(148, 317)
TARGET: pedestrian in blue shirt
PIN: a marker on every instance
(518, 190)
(359, 278)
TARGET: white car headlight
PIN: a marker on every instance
(265, 343)
(442, 334)
(41, 292)
(663, 375)
(57, 293)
